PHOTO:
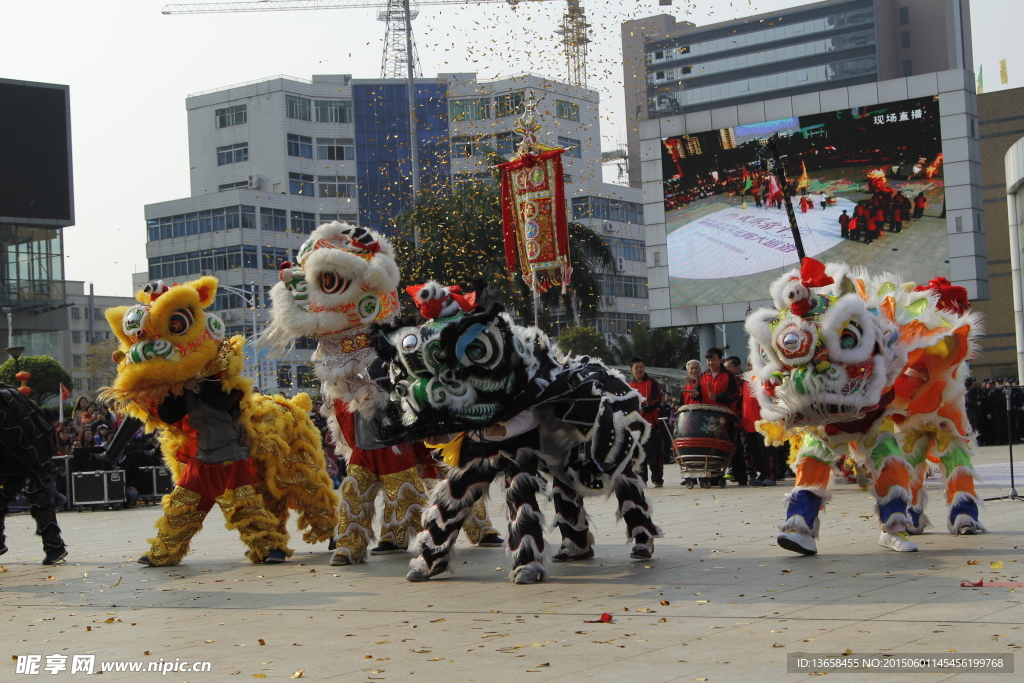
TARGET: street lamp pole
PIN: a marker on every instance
(250, 298)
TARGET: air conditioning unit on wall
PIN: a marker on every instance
(254, 182)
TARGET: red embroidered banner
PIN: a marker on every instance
(533, 217)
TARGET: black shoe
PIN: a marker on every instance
(55, 555)
(563, 556)
(756, 482)
(768, 482)
(275, 557)
(333, 545)
(3, 548)
(386, 548)
(640, 552)
(145, 560)
(658, 484)
(491, 541)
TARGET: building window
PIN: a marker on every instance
(477, 109)
(242, 256)
(240, 185)
(470, 145)
(274, 220)
(300, 146)
(335, 149)
(607, 209)
(566, 177)
(336, 186)
(905, 40)
(76, 337)
(343, 217)
(297, 107)
(572, 147)
(331, 111)
(300, 183)
(273, 256)
(76, 361)
(908, 67)
(567, 110)
(230, 116)
(304, 223)
(623, 285)
(506, 144)
(904, 16)
(627, 249)
(510, 104)
(233, 154)
(76, 313)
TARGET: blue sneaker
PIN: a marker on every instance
(275, 557)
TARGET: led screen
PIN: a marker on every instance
(728, 235)
(35, 173)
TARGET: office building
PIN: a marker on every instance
(270, 160)
(36, 204)
(907, 114)
(675, 67)
(86, 341)
(482, 115)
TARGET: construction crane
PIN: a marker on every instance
(574, 29)
(400, 57)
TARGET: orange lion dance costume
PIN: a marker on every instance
(871, 368)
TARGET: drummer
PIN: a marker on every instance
(691, 390)
(718, 387)
(654, 448)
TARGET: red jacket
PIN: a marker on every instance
(751, 409)
(685, 394)
(723, 385)
(651, 391)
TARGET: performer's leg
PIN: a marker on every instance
(44, 513)
(405, 498)
(10, 485)
(918, 499)
(451, 502)
(809, 495)
(526, 546)
(277, 507)
(184, 512)
(636, 510)
(243, 510)
(655, 451)
(960, 494)
(892, 492)
(571, 520)
(355, 526)
(478, 527)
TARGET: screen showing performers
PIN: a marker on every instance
(866, 185)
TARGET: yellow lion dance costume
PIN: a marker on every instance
(173, 353)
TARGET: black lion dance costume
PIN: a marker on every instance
(506, 402)
(27, 445)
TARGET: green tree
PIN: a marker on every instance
(460, 239)
(99, 365)
(47, 376)
(662, 347)
(584, 341)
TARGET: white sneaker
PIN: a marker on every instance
(797, 542)
(899, 541)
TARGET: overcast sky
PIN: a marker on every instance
(130, 69)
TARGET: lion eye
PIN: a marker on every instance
(850, 337)
(330, 283)
(180, 321)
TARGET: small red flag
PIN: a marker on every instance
(65, 393)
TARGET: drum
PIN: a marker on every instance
(705, 430)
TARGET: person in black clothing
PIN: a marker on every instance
(972, 404)
(27, 445)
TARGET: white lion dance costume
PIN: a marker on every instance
(873, 368)
(345, 280)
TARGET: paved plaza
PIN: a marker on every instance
(720, 601)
